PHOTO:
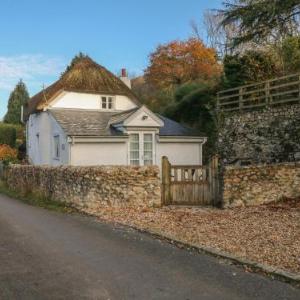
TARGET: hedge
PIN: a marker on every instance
(8, 134)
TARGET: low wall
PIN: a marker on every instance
(89, 188)
(260, 184)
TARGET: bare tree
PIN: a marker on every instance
(195, 30)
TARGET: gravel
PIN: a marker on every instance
(267, 234)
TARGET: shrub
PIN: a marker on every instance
(8, 135)
(8, 154)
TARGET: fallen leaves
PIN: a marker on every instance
(267, 234)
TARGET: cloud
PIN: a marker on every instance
(30, 68)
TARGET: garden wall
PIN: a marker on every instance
(89, 188)
(267, 135)
(258, 184)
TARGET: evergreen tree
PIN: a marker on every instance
(290, 51)
(258, 20)
(249, 67)
(18, 97)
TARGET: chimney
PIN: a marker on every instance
(123, 73)
(125, 78)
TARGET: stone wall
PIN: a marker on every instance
(254, 185)
(262, 136)
(89, 188)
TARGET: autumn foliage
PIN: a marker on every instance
(181, 61)
(8, 154)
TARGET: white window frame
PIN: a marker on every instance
(141, 147)
(56, 147)
(109, 101)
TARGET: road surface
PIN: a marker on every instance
(50, 255)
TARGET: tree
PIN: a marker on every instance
(193, 106)
(8, 134)
(18, 97)
(178, 62)
(290, 51)
(155, 99)
(259, 20)
(219, 37)
(251, 66)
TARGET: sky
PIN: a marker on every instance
(38, 38)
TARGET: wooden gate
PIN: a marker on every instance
(190, 184)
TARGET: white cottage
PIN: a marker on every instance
(91, 117)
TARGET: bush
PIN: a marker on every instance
(8, 154)
(8, 135)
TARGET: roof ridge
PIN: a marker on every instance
(126, 111)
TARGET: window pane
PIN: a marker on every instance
(134, 137)
(110, 102)
(147, 146)
(56, 146)
(104, 102)
(148, 162)
(134, 149)
(148, 137)
(148, 149)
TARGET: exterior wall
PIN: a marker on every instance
(180, 153)
(41, 128)
(260, 184)
(124, 103)
(89, 188)
(90, 154)
(262, 136)
(89, 101)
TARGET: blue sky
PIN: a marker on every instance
(38, 38)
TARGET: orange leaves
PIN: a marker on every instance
(7, 153)
(181, 61)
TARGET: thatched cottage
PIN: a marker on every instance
(91, 117)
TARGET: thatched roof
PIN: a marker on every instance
(83, 75)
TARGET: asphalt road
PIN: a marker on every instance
(49, 255)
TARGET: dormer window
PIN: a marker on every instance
(107, 102)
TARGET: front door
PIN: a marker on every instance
(141, 149)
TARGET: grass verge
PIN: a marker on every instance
(36, 200)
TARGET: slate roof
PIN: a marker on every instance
(120, 117)
(85, 76)
(172, 128)
(80, 122)
(77, 122)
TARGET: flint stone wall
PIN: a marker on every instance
(89, 188)
(269, 135)
(255, 185)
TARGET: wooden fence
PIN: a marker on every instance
(190, 184)
(268, 93)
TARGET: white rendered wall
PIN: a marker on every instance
(89, 101)
(41, 150)
(124, 103)
(89, 154)
(180, 153)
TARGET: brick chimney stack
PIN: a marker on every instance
(123, 73)
(125, 78)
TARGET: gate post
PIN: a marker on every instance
(166, 179)
(214, 179)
